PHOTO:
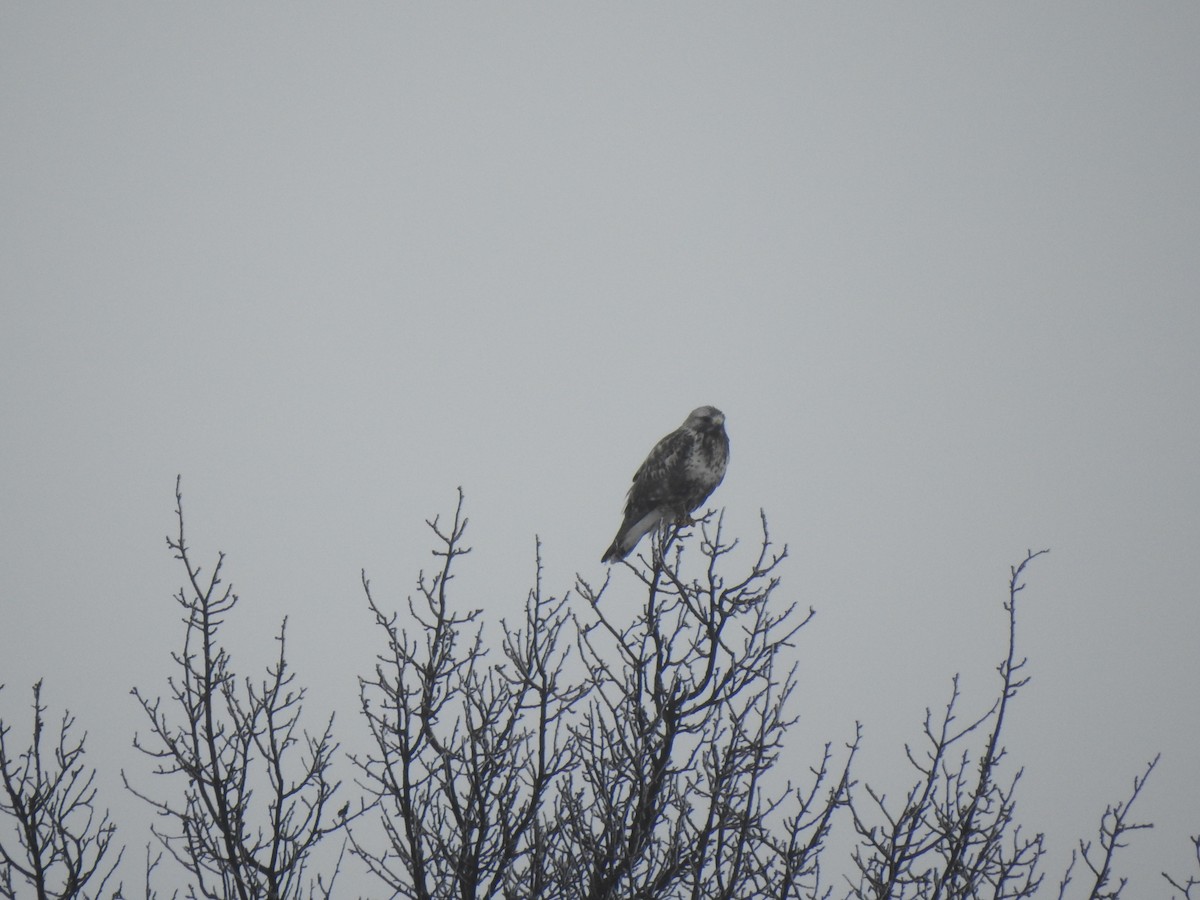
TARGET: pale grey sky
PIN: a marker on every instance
(937, 263)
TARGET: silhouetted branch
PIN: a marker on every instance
(954, 834)
(466, 750)
(228, 744)
(1114, 828)
(50, 838)
(1193, 882)
(685, 717)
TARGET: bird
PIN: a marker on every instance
(678, 475)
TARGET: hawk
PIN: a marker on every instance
(678, 475)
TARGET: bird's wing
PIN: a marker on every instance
(653, 482)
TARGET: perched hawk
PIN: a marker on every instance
(678, 475)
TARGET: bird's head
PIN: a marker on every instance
(705, 418)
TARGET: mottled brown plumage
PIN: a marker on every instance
(678, 475)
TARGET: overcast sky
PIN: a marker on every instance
(937, 263)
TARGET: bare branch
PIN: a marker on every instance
(1193, 882)
(235, 739)
(59, 843)
(1114, 829)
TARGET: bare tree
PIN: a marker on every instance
(686, 716)
(52, 841)
(596, 759)
(465, 751)
(954, 834)
(254, 787)
(590, 750)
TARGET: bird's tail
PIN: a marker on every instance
(629, 534)
(613, 553)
